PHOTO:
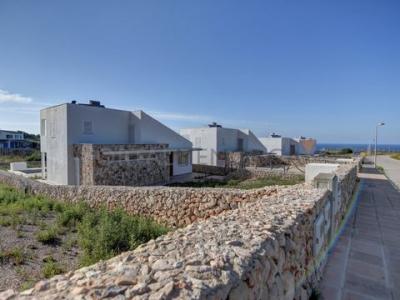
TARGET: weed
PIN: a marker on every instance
(69, 244)
(48, 236)
(100, 234)
(27, 284)
(5, 221)
(15, 255)
(72, 215)
(51, 268)
(104, 234)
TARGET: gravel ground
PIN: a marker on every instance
(34, 253)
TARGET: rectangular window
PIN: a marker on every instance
(9, 136)
(43, 127)
(183, 158)
(240, 144)
(87, 127)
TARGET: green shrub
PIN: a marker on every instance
(34, 156)
(16, 255)
(5, 221)
(103, 234)
(51, 268)
(48, 236)
(72, 215)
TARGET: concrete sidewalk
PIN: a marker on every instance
(365, 262)
(391, 166)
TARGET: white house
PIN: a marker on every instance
(215, 140)
(279, 145)
(11, 139)
(69, 124)
(306, 146)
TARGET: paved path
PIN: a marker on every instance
(391, 166)
(365, 262)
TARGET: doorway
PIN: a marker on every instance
(171, 164)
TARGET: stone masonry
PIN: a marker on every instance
(125, 164)
(262, 249)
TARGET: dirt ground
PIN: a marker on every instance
(23, 258)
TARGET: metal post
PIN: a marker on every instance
(376, 140)
(376, 144)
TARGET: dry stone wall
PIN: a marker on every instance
(264, 249)
(172, 206)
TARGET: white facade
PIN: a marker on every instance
(307, 146)
(287, 146)
(280, 145)
(213, 140)
(67, 124)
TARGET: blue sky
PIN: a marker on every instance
(326, 69)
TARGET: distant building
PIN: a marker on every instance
(307, 146)
(215, 140)
(88, 144)
(279, 145)
(11, 140)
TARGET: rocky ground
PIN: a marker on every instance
(24, 260)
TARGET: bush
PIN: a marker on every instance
(346, 151)
(34, 156)
(48, 236)
(15, 255)
(104, 234)
(70, 216)
(51, 268)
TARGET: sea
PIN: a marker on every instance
(360, 147)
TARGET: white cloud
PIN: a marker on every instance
(6, 96)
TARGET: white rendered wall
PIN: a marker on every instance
(65, 127)
(314, 169)
(286, 143)
(54, 143)
(253, 143)
(273, 145)
(150, 131)
(206, 139)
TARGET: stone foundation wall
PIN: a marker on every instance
(263, 249)
(122, 164)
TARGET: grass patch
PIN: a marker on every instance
(15, 255)
(395, 156)
(103, 234)
(246, 184)
(51, 268)
(98, 233)
(48, 236)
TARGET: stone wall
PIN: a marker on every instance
(263, 249)
(172, 206)
(125, 164)
(211, 170)
(240, 160)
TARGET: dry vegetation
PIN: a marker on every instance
(41, 238)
